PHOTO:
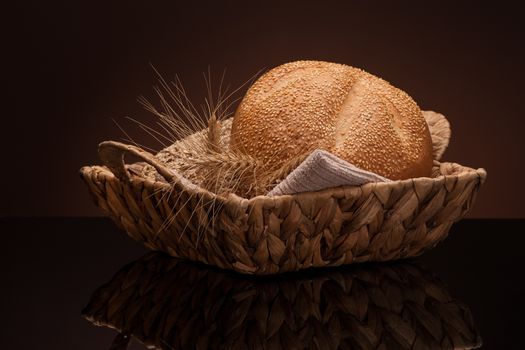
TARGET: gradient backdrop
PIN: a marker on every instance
(73, 66)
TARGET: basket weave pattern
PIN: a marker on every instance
(168, 304)
(376, 221)
(264, 235)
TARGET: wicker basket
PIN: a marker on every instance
(265, 235)
(169, 304)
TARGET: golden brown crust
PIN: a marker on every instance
(361, 118)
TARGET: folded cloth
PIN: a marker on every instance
(320, 170)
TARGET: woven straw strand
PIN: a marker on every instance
(263, 235)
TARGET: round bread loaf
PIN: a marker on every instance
(300, 106)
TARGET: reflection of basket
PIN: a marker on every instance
(264, 235)
(170, 304)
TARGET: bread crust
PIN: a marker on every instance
(303, 105)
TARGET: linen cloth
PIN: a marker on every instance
(320, 170)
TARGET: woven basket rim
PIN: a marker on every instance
(376, 221)
(462, 173)
(438, 126)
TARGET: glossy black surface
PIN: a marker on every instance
(51, 267)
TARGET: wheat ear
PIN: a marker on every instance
(214, 134)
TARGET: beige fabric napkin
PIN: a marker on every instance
(320, 170)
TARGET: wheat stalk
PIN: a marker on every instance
(199, 150)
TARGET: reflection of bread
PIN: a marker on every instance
(359, 117)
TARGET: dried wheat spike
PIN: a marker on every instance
(214, 134)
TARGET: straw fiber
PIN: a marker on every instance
(376, 221)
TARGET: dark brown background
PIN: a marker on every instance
(72, 67)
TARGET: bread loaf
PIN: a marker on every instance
(300, 106)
